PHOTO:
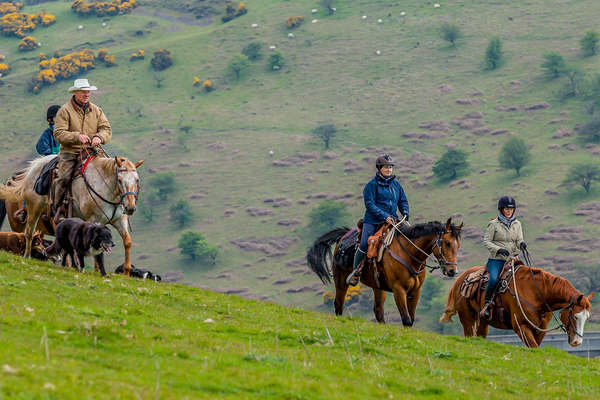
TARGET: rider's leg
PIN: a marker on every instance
(494, 268)
(66, 167)
(367, 230)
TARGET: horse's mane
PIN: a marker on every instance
(559, 286)
(429, 228)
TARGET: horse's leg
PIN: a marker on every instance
(539, 336)
(34, 213)
(400, 297)
(121, 226)
(341, 288)
(467, 323)
(379, 296)
(524, 332)
(413, 299)
(482, 329)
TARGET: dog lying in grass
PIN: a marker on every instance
(139, 273)
(14, 242)
(77, 237)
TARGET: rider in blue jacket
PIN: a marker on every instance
(45, 146)
(383, 196)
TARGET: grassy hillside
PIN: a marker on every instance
(65, 335)
(332, 75)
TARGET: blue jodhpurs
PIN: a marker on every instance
(494, 267)
(367, 230)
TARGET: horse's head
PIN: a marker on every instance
(446, 248)
(128, 182)
(574, 317)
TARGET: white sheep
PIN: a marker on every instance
(402, 14)
(314, 21)
(80, 27)
(379, 21)
(291, 35)
(104, 24)
(271, 152)
(378, 52)
(364, 17)
(436, 5)
(255, 25)
(314, 10)
(272, 47)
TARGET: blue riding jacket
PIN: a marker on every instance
(46, 144)
(383, 196)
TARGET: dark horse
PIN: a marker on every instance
(402, 269)
(530, 306)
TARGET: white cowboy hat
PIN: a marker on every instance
(81, 84)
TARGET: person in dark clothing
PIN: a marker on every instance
(383, 196)
(45, 146)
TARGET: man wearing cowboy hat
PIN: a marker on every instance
(78, 124)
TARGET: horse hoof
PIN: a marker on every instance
(407, 322)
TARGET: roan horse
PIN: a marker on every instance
(403, 265)
(106, 194)
(539, 293)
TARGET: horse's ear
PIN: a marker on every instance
(461, 226)
(139, 163)
(590, 296)
(449, 224)
(579, 299)
(118, 161)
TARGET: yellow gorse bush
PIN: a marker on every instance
(64, 67)
(109, 60)
(4, 68)
(102, 53)
(207, 85)
(196, 81)
(103, 8)
(19, 24)
(137, 56)
(28, 43)
(294, 21)
(8, 8)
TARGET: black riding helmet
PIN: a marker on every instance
(384, 160)
(52, 111)
(506, 202)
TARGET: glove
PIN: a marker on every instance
(523, 246)
(406, 216)
(503, 252)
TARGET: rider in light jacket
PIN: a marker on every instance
(503, 238)
(383, 195)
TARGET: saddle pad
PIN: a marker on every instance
(472, 282)
(44, 180)
(347, 245)
(375, 242)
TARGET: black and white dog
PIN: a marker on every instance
(139, 273)
(77, 237)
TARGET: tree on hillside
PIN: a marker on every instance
(252, 51)
(590, 278)
(590, 131)
(584, 175)
(163, 183)
(328, 215)
(238, 64)
(181, 213)
(514, 155)
(329, 5)
(451, 165)
(195, 246)
(275, 61)
(148, 205)
(554, 65)
(450, 33)
(589, 43)
(326, 133)
(493, 54)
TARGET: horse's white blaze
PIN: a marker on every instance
(580, 319)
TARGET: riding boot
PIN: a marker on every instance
(354, 277)
(486, 311)
(21, 215)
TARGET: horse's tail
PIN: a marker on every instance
(450, 309)
(319, 255)
(2, 212)
(14, 189)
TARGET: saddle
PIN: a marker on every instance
(43, 183)
(376, 248)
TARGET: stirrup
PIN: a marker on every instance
(354, 278)
(486, 311)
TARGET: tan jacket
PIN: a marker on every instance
(498, 236)
(71, 121)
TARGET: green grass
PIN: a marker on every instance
(67, 335)
(332, 75)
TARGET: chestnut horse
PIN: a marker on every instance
(8, 208)
(402, 268)
(107, 194)
(539, 293)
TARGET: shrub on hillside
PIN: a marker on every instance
(275, 61)
(109, 60)
(164, 184)
(584, 175)
(195, 246)
(9, 8)
(233, 11)
(54, 69)
(102, 53)
(28, 43)
(451, 165)
(103, 8)
(161, 60)
(294, 21)
(181, 213)
(19, 24)
(252, 51)
(196, 81)
(590, 131)
(554, 65)
(450, 33)
(589, 43)
(493, 54)
(514, 155)
(327, 215)
(207, 85)
(139, 55)
(238, 64)
(329, 6)
(4, 67)
(326, 133)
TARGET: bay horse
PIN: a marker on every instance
(540, 293)
(106, 193)
(403, 268)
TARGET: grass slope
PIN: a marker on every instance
(331, 75)
(65, 335)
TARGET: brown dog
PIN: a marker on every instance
(15, 243)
